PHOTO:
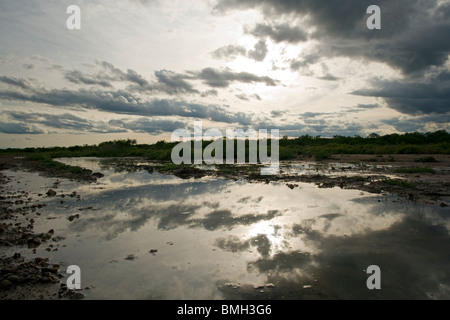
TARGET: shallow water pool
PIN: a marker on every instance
(154, 236)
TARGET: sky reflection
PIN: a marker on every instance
(236, 240)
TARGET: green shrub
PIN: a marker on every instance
(426, 159)
(322, 154)
(399, 183)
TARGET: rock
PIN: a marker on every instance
(5, 284)
(51, 231)
(98, 175)
(51, 193)
(76, 216)
(40, 260)
(77, 296)
(443, 205)
(153, 251)
(34, 241)
(50, 270)
(58, 238)
(14, 278)
(44, 236)
(130, 257)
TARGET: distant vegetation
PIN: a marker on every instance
(317, 147)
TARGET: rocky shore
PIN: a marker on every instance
(24, 278)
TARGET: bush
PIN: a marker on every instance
(407, 149)
(322, 154)
(399, 183)
(426, 159)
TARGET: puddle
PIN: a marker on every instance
(331, 169)
(141, 235)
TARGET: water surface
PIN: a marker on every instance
(156, 236)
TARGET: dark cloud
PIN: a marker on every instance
(165, 81)
(282, 261)
(19, 128)
(223, 78)
(173, 81)
(145, 125)
(64, 121)
(232, 244)
(329, 77)
(432, 96)
(278, 33)
(110, 72)
(314, 127)
(242, 96)
(134, 77)
(29, 66)
(209, 93)
(344, 18)
(245, 97)
(443, 76)
(259, 52)
(224, 219)
(277, 113)
(124, 102)
(307, 115)
(414, 34)
(367, 106)
(107, 74)
(302, 63)
(17, 82)
(420, 123)
(79, 77)
(229, 52)
(236, 245)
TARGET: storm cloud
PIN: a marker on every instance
(413, 37)
(425, 97)
(278, 33)
(223, 78)
(124, 102)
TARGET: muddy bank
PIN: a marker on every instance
(27, 278)
(11, 162)
(371, 173)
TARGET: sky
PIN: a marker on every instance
(141, 69)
